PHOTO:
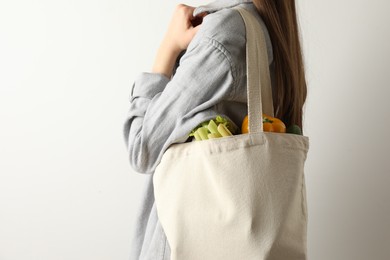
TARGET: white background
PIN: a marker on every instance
(66, 68)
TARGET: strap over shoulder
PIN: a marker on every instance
(259, 89)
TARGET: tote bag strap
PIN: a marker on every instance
(259, 89)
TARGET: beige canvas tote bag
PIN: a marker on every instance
(240, 197)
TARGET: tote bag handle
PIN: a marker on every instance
(259, 89)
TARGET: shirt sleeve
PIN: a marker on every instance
(163, 111)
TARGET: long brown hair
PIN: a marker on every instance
(281, 20)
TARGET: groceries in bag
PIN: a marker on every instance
(272, 124)
(222, 127)
(214, 128)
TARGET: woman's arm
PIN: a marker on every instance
(164, 111)
(165, 60)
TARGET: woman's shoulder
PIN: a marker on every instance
(226, 28)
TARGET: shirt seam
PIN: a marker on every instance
(165, 246)
(228, 56)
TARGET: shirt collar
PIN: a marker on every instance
(217, 5)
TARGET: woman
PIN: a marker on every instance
(199, 73)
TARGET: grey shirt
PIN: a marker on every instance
(209, 79)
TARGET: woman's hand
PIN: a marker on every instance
(181, 30)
